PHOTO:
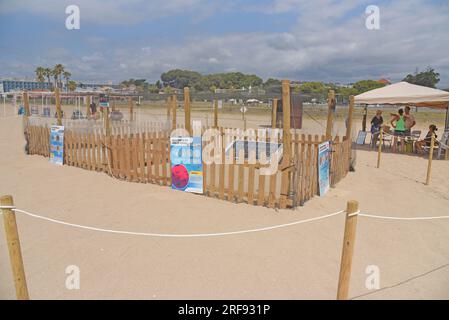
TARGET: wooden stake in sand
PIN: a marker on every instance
(330, 114)
(15, 254)
(379, 152)
(429, 165)
(348, 250)
(58, 106)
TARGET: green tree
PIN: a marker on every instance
(58, 70)
(270, 83)
(40, 74)
(71, 85)
(66, 76)
(180, 78)
(48, 74)
(366, 85)
(428, 78)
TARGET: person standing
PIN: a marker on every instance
(376, 124)
(93, 108)
(398, 123)
(409, 121)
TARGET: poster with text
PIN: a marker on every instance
(323, 167)
(186, 164)
(57, 145)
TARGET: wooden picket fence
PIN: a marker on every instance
(145, 157)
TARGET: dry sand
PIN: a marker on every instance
(298, 262)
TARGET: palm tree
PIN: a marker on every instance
(40, 74)
(48, 74)
(71, 85)
(66, 76)
(57, 74)
(54, 74)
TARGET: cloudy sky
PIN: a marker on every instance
(323, 40)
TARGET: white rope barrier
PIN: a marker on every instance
(401, 218)
(168, 235)
(197, 235)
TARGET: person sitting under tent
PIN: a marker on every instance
(420, 145)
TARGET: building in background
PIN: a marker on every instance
(8, 85)
(384, 81)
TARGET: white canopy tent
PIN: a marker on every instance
(407, 94)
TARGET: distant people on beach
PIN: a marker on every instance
(419, 145)
(93, 108)
(398, 123)
(376, 124)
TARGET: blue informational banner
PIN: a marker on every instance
(323, 167)
(57, 145)
(186, 164)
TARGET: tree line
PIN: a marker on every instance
(178, 79)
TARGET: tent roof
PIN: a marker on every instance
(405, 93)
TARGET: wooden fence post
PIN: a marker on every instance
(350, 116)
(365, 115)
(349, 127)
(429, 165)
(169, 107)
(174, 101)
(131, 109)
(58, 106)
(348, 250)
(15, 254)
(187, 110)
(287, 145)
(215, 113)
(330, 114)
(379, 153)
(274, 108)
(88, 102)
(107, 124)
(26, 104)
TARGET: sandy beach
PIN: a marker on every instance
(296, 262)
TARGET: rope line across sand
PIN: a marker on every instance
(198, 235)
(168, 235)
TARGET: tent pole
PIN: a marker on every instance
(446, 124)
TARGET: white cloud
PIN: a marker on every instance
(328, 42)
(108, 12)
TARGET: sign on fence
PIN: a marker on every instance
(323, 167)
(104, 100)
(186, 164)
(57, 145)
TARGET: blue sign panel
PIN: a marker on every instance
(323, 167)
(57, 145)
(186, 164)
